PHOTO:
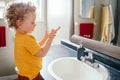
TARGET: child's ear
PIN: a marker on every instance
(18, 23)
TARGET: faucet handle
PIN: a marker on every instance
(90, 54)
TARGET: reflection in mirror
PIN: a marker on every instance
(107, 21)
(87, 8)
(116, 11)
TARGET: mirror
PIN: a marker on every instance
(87, 8)
(82, 10)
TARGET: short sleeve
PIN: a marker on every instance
(31, 45)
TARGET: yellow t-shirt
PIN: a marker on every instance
(24, 50)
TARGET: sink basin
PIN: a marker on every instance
(69, 68)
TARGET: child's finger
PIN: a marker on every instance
(57, 28)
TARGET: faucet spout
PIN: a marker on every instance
(90, 57)
(91, 60)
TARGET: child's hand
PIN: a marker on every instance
(53, 32)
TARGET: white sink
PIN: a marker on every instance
(69, 68)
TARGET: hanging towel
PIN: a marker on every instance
(91, 12)
(112, 27)
(86, 30)
(107, 25)
(2, 36)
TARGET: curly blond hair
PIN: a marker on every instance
(17, 11)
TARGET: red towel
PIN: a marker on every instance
(86, 30)
(2, 36)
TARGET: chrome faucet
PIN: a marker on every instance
(87, 57)
(91, 60)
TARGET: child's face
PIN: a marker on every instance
(28, 23)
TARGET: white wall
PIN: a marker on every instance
(39, 31)
(59, 13)
(7, 55)
(41, 27)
